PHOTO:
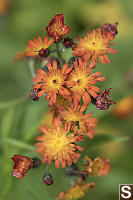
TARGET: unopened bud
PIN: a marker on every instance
(36, 162)
(48, 179)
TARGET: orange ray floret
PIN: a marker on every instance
(84, 82)
(57, 145)
(77, 191)
(53, 82)
(38, 47)
(93, 45)
(80, 124)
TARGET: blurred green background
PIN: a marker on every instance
(22, 20)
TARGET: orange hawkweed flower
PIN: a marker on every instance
(80, 124)
(98, 167)
(21, 165)
(84, 82)
(38, 47)
(19, 56)
(57, 145)
(57, 28)
(93, 45)
(53, 82)
(75, 192)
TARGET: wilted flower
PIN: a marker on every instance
(75, 192)
(21, 166)
(93, 45)
(57, 145)
(38, 47)
(102, 100)
(110, 30)
(57, 28)
(67, 42)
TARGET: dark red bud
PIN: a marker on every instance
(33, 94)
(67, 42)
(48, 179)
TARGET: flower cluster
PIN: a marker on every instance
(69, 89)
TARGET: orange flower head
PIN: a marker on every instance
(21, 166)
(57, 145)
(38, 47)
(84, 82)
(52, 82)
(124, 108)
(58, 108)
(19, 56)
(75, 192)
(98, 167)
(80, 124)
(4, 7)
(93, 45)
(57, 28)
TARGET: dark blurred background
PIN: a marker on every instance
(22, 20)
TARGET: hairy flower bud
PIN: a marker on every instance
(33, 94)
(67, 42)
(48, 179)
(72, 170)
(36, 162)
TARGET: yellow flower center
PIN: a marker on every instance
(75, 192)
(94, 43)
(81, 79)
(58, 144)
(54, 81)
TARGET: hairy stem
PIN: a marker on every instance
(59, 54)
(31, 67)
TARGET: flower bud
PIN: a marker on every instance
(33, 94)
(72, 170)
(36, 162)
(48, 179)
(67, 42)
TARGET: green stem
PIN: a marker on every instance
(59, 54)
(17, 143)
(31, 67)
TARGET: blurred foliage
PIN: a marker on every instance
(20, 117)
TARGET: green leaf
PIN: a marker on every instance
(12, 103)
(33, 118)
(98, 140)
(17, 143)
(7, 121)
